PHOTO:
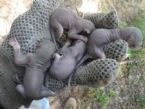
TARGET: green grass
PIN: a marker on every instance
(123, 24)
(100, 96)
(139, 56)
(141, 100)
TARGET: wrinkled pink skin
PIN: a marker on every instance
(35, 64)
(63, 18)
(65, 62)
(101, 37)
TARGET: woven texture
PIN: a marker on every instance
(116, 50)
(53, 84)
(99, 72)
(102, 20)
(30, 27)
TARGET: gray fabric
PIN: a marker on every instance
(103, 20)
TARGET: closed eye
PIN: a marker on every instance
(60, 53)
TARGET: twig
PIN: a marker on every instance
(131, 61)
